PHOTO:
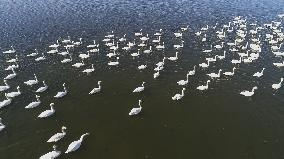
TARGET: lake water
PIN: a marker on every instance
(217, 123)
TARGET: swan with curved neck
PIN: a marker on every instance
(183, 82)
(48, 112)
(32, 82)
(63, 93)
(278, 85)
(248, 93)
(58, 136)
(135, 111)
(203, 87)
(179, 96)
(259, 74)
(75, 145)
(12, 75)
(14, 94)
(5, 87)
(139, 89)
(6, 102)
(43, 88)
(96, 90)
(2, 126)
(51, 155)
(34, 104)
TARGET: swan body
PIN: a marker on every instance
(148, 51)
(10, 51)
(10, 67)
(67, 60)
(13, 60)
(203, 87)
(32, 82)
(34, 104)
(14, 94)
(259, 74)
(51, 155)
(2, 126)
(96, 90)
(192, 72)
(204, 65)
(47, 113)
(178, 96)
(135, 111)
(52, 51)
(139, 89)
(33, 54)
(75, 145)
(142, 67)
(156, 74)
(58, 136)
(230, 73)
(248, 93)
(89, 70)
(43, 88)
(114, 63)
(61, 94)
(215, 75)
(278, 85)
(5, 102)
(174, 58)
(183, 82)
(79, 64)
(5, 87)
(12, 75)
(41, 58)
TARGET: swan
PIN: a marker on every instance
(219, 46)
(279, 64)
(142, 67)
(278, 85)
(61, 94)
(14, 94)
(54, 45)
(5, 102)
(79, 64)
(114, 48)
(138, 33)
(96, 90)
(204, 65)
(89, 70)
(161, 63)
(179, 46)
(58, 136)
(222, 57)
(41, 58)
(114, 63)
(204, 38)
(259, 74)
(43, 88)
(93, 45)
(111, 54)
(12, 75)
(204, 28)
(78, 42)
(33, 54)
(208, 50)
(10, 51)
(156, 74)
(184, 28)
(32, 82)
(159, 68)
(145, 38)
(122, 39)
(244, 54)
(248, 93)
(5, 87)
(173, 58)
(13, 60)
(192, 72)
(48, 112)
(75, 145)
(236, 61)
(10, 67)
(183, 82)
(2, 126)
(157, 40)
(135, 111)
(159, 33)
(148, 51)
(51, 155)
(63, 53)
(34, 104)
(84, 56)
(230, 73)
(179, 96)
(68, 40)
(203, 87)
(210, 59)
(136, 53)
(52, 51)
(178, 35)
(67, 60)
(215, 75)
(139, 89)
(160, 47)
(198, 33)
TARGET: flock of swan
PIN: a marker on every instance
(246, 45)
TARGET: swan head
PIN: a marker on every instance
(99, 82)
(143, 82)
(63, 84)
(54, 147)
(63, 128)
(234, 68)
(37, 96)
(117, 58)
(18, 87)
(183, 89)
(208, 81)
(255, 87)
(51, 104)
(140, 102)
(281, 79)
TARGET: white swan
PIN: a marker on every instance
(93, 45)
(13, 60)
(52, 51)
(215, 75)
(34, 104)
(161, 63)
(145, 38)
(52, 154)
(236, 61)
(135, 111)
(156, 74)
(75, 145)
(14, 94)
(220, 57)
(142, 67)
(179, 96)
(61, 94)
(173, 58)
(6, 102)
(178, 46)
(58, 136)
(10, 67)
(139, 89)
(48, 112)
(148, 51)
(89, 70)
(54, 45)
(43, 88)
(279, 64)
(114, 63)
(208, 50)
(10, 51)
(136, 54)
(192, 72)
(160, 47)
(67, 60)
(33, 54)
(203, 87)
(79, 64)
(278, 85)
(84, 56)
(96, 90)
(177, 35)
(211, 59)
(41, 58)
(204, 65)
(5, 87)
(12, 75)
(183, 82)
(259, 74)
(2, 126)
(32, 82)
(230, 73)
(248, 93)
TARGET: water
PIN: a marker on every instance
(218, 123)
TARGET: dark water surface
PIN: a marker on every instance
(215, 124)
